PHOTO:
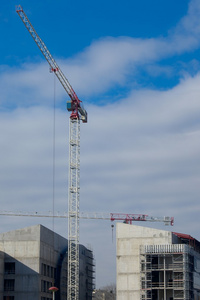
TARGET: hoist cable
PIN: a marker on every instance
(54, 151)
(54, 175)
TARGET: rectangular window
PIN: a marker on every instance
(47, 270)
(9, 268)
(44, 269)
(9, 285)
(43, 286)
(52, 272)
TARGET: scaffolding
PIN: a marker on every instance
(166, 272)
(90, 272)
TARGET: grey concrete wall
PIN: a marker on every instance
(30, 248)
(1, 274)
(23, 247)
(129, 239)
(51, 246)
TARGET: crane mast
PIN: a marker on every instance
(77, 113)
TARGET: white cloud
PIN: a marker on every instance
(109, 61)
(189, 25)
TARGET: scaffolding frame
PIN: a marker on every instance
(166, 272)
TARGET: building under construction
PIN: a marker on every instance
(33, 259)
(156, 264)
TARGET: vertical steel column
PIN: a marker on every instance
(73, 210)
(165, 291)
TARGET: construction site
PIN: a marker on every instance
(39, 264)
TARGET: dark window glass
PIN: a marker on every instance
(9, 285)
(9, 268)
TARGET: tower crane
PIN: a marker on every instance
(77, 113)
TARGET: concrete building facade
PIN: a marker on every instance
(35, 258)
(156, 264)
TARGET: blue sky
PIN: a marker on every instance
(69, 28)
(136, 67)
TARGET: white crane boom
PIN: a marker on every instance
(127, 218)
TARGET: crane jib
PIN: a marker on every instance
(76, 106)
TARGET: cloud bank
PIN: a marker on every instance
(138, 156)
